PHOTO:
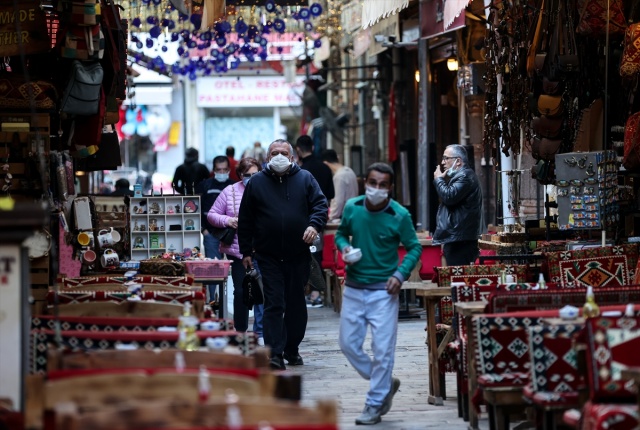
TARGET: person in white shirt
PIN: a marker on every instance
(345, 184)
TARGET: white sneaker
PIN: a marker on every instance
(261, 341)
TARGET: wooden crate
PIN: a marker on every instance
(39, 269)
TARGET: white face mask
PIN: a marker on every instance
(245, 181)
(221, 177)
(376, 195)
(279, 163)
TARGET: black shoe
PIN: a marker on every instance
(277, 363)
(293, 359)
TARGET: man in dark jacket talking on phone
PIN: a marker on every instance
(459, 219)
(282, 212)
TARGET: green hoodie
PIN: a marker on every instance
(378, 235)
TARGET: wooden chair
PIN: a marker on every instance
(216, 413)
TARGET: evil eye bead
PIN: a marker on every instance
(315, 9)
(279, 25)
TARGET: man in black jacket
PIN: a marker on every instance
(282, 212)
(322, 173)
(459, 219)
(190, 173)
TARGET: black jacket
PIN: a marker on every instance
(209, 190)
(460, 212)
(276, 210)
(188, 175)
(322, 173)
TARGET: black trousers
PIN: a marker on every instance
(285, 309)
(461, 253)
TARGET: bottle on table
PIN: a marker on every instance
(590, 309)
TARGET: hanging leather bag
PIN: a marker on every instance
(631, 159)
(544, 126)
(551, 106)
(545, 149)
(81, 95)
(536, 42)
(552, 87)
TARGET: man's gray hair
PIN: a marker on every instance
(280, 142)
(460, 152)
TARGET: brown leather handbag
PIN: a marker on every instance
(545, 149)
(552, 87)
(544, 126)
(550, 106)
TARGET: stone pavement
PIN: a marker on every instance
(326, 374)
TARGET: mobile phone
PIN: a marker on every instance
(440, 168)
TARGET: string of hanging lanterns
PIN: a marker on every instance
(241, 33)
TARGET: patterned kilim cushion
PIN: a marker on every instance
(472, 275)
(554, 359)
(174, 281)
(514, 301)
(87, 340)
(608, 266)
(478, 274)
(598, 416)
(612, 344)
(114, 324)
(503, 343)
(74, 296)
(565, 399)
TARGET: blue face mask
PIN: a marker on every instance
(245, 181)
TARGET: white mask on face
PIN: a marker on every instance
(279, 163)
(221, 177)
(452, 170)
(376, 195)
(245, 181)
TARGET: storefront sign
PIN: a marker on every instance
(432, 19)
(249, 91)
(11, 318)
(23, 28)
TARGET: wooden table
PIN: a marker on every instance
(468, 310)
(432, 295)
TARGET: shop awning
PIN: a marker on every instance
(374, 11)
(452, 10)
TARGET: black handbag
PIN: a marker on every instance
(251, 289)
(225, 235)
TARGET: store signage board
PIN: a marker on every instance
(432, 19)
(23, 27)
(249, 91)
(11, 321)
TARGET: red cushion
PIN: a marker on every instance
(608, 416)
(328, 252)
(491, 380)
(548, 399)
(572, 418)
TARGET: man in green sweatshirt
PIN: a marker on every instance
(376, 225)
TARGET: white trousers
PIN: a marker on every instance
(379, 310)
